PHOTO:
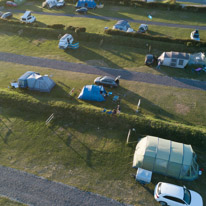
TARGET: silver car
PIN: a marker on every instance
(107, 81)
(6, 15)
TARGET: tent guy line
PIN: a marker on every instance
(87, 69)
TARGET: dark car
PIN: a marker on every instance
(107, 81)
(82, 10)
(7, 15)
(150, 59)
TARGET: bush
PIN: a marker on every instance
(187, 42)
(70, 28)
(56, 26)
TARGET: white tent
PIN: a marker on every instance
(174, 59)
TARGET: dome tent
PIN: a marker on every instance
(40, 83)
(34, 81)
(166, 157)
(93, 93)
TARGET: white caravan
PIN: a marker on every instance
(28, 18)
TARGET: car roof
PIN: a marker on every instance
(172, 190)
(107, 78)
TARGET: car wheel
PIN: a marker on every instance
(163, 203)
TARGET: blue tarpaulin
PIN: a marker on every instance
(90, 4)
(93, 93)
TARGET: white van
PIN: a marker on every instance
(28, 18)
(65, 41)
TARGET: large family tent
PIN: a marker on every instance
(90, 4)
(174, 59)
(40, 83)
(166, 157)
(93, 93)
(34, 81)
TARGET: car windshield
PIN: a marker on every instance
(187, 196)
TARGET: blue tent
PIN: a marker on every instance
(93, 93)
(90, 4)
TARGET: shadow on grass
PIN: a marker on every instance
(67, 142)
(86, 54)
(59, 92)
(125, 96)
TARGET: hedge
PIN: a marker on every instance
(187, 42)
(106, 39)
(168, 130)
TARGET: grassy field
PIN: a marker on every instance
(89, 153)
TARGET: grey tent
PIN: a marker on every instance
(174, 59)
(22, 81)
(166, 157)
(40, 83)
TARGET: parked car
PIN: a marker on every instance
(150, 59)
(173, 195)
(82, 10)
(11, 4)
(7, 15)
(122, 25)
(143, 28)
(27, 17)
(107, 81)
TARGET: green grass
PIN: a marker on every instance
(7, 202)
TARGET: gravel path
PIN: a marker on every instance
(33, 190)
(114, 18)
(83, 68)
